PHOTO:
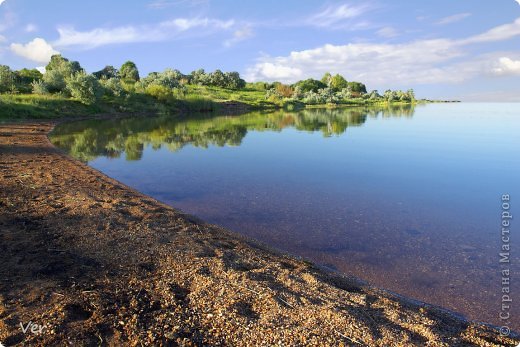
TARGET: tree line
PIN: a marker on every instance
(68, 78)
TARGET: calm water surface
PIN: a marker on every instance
(405, 198)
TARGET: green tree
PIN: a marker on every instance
(129, 72)
(233, 80)
(25, 78)
(310, 85)
(57, 71)
(107, 72)
(338, 82)
(218, 79)
(60, 63)
(7, 79)
(411, 94)
(326, 79)
(357, 87)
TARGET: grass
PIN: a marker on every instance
(42, 106)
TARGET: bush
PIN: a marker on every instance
(39, 87)
(284, 90)
(112, 86)
(55, 81)
(159, 92)
(85, 88)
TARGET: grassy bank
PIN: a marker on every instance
(197, 99)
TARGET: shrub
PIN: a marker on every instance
(159, 92)
(55, 81)
(112, 86)
(39, 87)
(83, 87)
(284, 90)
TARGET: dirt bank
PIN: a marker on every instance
(90, 262)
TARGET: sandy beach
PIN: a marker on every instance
(89, 261)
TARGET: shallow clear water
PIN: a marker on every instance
(405, 198)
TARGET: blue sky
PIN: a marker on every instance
(456, 49)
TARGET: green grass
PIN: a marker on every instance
(42, 106)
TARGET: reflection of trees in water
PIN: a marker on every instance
(89, 139)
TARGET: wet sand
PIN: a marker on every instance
(95, 262)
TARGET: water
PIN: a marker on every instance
(405, 198)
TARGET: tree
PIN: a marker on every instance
(25, 78)
(411, 94)
(7, 78)
(107, 72)
(309, 85)
(374, 95)
(112, 86)
(58, 62)
(326, 79)
(129, 72)
(357, 87)
(84, 87)
(338, 82)
(168, 78)
(197, 76)
(218, 79)
(233, 80)
(57, 71)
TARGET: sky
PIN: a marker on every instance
(467, 50)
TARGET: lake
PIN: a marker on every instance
(406, 198)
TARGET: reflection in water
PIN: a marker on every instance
(90, 139)
(404, 198)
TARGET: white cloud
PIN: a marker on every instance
(2, 1)
(239, 35)
(499, 33)
(376, 64)
(338, 17)
(388, 32)
(382, 64)
(454, 18)
(147, 33)
(507, 66)
(518, 1)
(37, 50)
(276, 71)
